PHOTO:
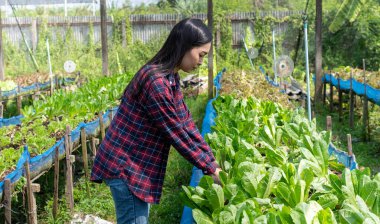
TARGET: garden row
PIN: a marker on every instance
(45, 120)
(19, 93)
(276, 170)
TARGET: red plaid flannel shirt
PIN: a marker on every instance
(149, 120)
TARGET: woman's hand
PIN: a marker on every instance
(215, 176)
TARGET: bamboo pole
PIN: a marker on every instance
(69, 172)
(7, 201)
(1, 109)
(324, 93)
(2, 70)
(340, 101)
(210, 54)
(110, 115)
(32, 211)
(19, 100)
(84, 153)
(94, 142)
(123, 33)
(103, 28)
(331, 95)
(352, 100)
(101, 124)
(56, 183)
(349, 144)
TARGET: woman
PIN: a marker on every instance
(152, 116)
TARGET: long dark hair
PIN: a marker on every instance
(184, 36)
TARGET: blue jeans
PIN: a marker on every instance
(129, 208)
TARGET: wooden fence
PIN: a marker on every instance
(144, 27)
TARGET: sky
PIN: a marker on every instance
(112, 2)
(138, 2)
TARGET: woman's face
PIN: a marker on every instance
(194, 57)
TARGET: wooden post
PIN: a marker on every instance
(352, 99)
(83, 138)
(37, 93)
(2, 73)
(110, 116)
(1, 109)
(349, 144)
(101, 124)
(51, 86)
(340, 100)
(331, 95)
(34, 34)
(211, 53)
(56, 183)
(103, 28)
(69, 172)
(19, 100)
(123, 33)
(365, 107)
(94, 142)
(324, 93)
(7, 202)
(328, 123)
(30, 189)
(217, 35)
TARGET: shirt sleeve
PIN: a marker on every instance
(196, 135)
(184, 138)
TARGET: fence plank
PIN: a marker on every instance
(144, 27)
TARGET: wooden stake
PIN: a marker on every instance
(349, 144)
(30, 188)
(84, 154)
(324, 93)
(69, 172)
(36, 95)
(123, 33)
(328, 123)
(7, 202)
(110, 116)
(352, 100)
(340, 97)
(103, 29)
(365, 107)
(19, 101)
(94, 142)
(101, 123)
(331, 96)
(56, 183)
(217, 35)
(1, 109)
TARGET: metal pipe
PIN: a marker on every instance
(274, 58)
(307, 72)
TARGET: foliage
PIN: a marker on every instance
(276, 170)
(349, 10)
(45, 120)
(346, 46)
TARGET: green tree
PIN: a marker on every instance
(349, 10)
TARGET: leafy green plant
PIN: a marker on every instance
(279, 173)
